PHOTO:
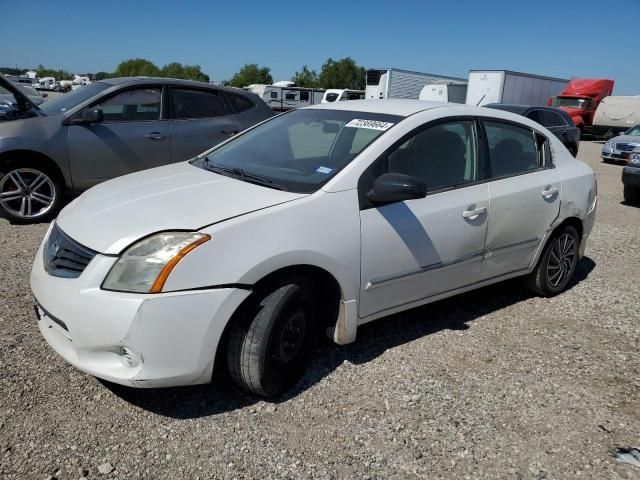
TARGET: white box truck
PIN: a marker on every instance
(444, 92)
(505, 86)
(615, 115)
(396, 83)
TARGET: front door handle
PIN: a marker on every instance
(230, 134)
(549, 191)
(475, 213)
(154, 136)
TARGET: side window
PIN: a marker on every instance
(239, 103)
(289, 96)
(536, 116)
(196, 103)
(552, 119)
(274, 94)
(442, 156)
(132, 105)
(512, 149)
(304, 96)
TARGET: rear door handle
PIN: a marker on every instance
(475, 213)
(154, 136)
(549, 192)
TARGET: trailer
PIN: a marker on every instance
(506, 86)
(615, 115)
(444, 92)
(384, 83)
(281, 99)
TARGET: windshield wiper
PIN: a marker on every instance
(246, 177)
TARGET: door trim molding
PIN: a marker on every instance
(379, 281)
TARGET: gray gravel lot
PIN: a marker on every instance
(492, 384)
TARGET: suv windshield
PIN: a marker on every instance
(298, 151)
(633, 131)
(69, 100)
(570, 102)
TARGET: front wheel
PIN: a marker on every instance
(271, 344)
(557, 263)
(29, 193)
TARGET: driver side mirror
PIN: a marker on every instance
(396, 187)
(88, 115)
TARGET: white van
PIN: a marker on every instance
(341, 94)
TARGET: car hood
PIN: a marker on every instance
(114, 214)
(626, 139)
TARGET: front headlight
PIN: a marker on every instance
(145, 266)
(608, 144)
(634, 159)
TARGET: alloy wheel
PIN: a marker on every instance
(561, 260)
(27, 193)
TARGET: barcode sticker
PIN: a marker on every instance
(370, 124)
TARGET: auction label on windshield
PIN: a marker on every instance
(370, 124)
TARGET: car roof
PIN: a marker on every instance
(168, 81)
(400, 107)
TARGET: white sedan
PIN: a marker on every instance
(313, 222)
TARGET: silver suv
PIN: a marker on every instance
(107, 129)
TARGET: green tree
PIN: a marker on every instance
(250, 73)
(102, 75)
(343, 73)
(12, 71)
(188, 72)
(42, 72)
(306, 78)
(136, 67)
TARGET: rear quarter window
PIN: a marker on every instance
(239, 103)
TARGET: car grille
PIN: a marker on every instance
(64, 257)
(625, 147)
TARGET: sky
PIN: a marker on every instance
(558, 38)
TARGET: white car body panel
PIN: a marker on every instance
(385, 259)
(173, 197)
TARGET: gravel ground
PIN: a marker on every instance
(491, 384)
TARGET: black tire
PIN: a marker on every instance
(271, 342)
(631, 195)
(557, 263)
(39, 182)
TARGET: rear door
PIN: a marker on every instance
(132, 137)
(200, 119)
(524, 186)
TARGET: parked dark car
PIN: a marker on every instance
(106, 129)
(631, 178)
(555, 120)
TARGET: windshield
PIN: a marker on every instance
(299, 151)
(570, 102)
(332, 97)
(69, 100)
(634, 131)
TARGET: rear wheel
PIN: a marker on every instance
(631, 195)
(271, 344)
(557, 263)
(29, 192)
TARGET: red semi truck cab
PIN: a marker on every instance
(580, 98)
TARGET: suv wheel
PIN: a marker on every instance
(270, 346)
(557, 263)
(29, 193)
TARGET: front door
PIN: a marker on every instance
(132, 137)
(419, 248)
(525, 196)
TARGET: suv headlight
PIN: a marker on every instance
(145, 266)
(634, 159)
(608, 144)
